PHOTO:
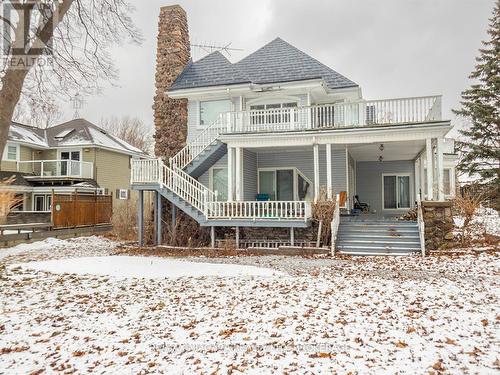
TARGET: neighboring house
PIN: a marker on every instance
(266, 133)
(76, 156)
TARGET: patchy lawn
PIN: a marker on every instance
(359, 315)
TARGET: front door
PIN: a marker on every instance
(70, 166)
(396, 192)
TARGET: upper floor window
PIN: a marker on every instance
(11, 152)
(210, 110)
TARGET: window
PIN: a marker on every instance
(284, 185)
(122, 193)
(42, 202)
(219, 183)
(70, 163)
(267, 184)
(396, 192)
(210, 110)
(11, 152)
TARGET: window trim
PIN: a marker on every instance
(410, 184)
(6, 152)
(120, 192)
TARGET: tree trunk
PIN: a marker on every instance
(13, 80)
(12, 84)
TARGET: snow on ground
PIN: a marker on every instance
(145, 267)
(53, 248)
(358, 315)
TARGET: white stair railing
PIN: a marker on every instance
(421, 225)
(154, 171)
(195, 147)
(335, 224)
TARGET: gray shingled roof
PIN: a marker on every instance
(212, 70)
(276, 62)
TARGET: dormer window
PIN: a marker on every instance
(63, 134)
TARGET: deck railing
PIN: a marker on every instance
(155, 172)
(337, 115)
(268, 210)
(57, 168)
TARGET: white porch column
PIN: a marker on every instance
(430, 169)
(417, 176)
(440, 173)
(230, 174)
(329, 185)
(422, 177)
(316, 171)
(237, 180)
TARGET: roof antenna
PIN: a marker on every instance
(205, 47)
(77, 103)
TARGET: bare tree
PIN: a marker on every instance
(66, 50)
(129, 129)
(39, 112)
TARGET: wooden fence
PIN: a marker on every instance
(77, 210)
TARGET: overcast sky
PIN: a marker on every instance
(391, 48)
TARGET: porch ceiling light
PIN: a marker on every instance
(381, 147)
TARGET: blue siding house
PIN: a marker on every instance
(268, 133)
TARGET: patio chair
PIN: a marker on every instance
(364, 207)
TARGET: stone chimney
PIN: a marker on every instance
(172, 55)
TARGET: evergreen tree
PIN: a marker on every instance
(480, 146)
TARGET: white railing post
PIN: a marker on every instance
(41, 169)
(228, 122)
(205, 205)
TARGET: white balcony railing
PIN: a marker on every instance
(57, 168)
(337, 115)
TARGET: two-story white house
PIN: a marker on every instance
(267, 133)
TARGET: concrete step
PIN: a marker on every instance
(378, 232)
(378, 247)
(377, 225)
(390, 239)
(364, 252)
(381, 243)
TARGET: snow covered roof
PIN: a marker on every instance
(76, 133)
(27, 134)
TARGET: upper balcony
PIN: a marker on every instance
(56, 169)
(362, 113)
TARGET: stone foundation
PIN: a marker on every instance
(438, 219)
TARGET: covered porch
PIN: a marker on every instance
(389, 177)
